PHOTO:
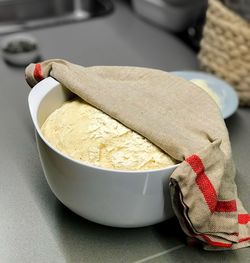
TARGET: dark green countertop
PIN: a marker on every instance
(34, 226)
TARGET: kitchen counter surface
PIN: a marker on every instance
(34, 225)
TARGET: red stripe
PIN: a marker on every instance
(38, 72)
(226, 206)
(243, 219)
(207, 188)
(203, 182)
(209, 241)
(244, 239)
(219, 244)
(215, 243)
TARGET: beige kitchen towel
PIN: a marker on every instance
(183, 121)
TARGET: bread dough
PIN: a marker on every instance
(87, 134)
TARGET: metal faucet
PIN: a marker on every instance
(78, 9)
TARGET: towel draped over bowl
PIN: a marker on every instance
(182, 120)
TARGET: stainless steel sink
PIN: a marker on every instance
(19, 15)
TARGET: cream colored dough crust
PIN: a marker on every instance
(87, 134)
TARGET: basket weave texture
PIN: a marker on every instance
(225, 48)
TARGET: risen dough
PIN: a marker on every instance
(87, 134)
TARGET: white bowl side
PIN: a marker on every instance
(109, 197)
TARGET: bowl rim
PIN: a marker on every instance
(40, 90)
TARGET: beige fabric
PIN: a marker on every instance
(225, 48)
(178, 117)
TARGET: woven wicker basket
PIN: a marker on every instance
(225, 48)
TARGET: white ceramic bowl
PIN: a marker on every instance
(109, 197)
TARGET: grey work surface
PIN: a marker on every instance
(34, 225)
